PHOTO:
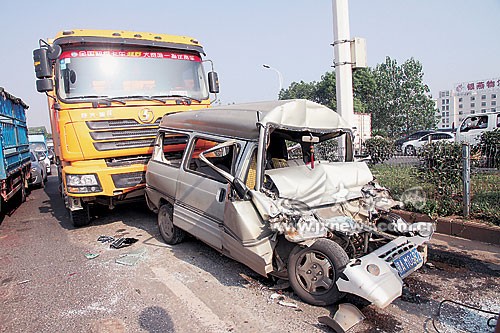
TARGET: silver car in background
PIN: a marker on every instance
(38, 170)
(274, 186)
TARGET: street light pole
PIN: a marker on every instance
(280, 77)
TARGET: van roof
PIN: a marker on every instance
(242, 120)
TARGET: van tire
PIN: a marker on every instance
(313, 271)
(169, 232)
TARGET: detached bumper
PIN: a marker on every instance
(375, 277)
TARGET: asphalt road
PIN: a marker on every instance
(47, 284)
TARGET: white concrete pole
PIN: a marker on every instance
(342, 62)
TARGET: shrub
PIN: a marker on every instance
(441, 165)
(379, 149)
(489, 145)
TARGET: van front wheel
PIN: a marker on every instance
(169, 232)
(313, 272)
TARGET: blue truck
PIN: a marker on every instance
(15, 162)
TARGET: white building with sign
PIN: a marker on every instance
(467, 98)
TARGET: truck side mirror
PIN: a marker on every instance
(44, 85)
(43, 66)
(213, 82)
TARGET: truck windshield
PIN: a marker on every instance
(88, 74)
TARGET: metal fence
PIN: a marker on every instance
(446, 179)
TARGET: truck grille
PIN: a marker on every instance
(126, 161)
(107, 124)
(143, 143)
(111, 134)
(131, 179)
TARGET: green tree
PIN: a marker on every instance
(324, 91)
(401, 102)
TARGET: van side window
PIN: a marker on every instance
(222, 158)
(173, 146)
(477, 122)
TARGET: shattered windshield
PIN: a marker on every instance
(122, 74)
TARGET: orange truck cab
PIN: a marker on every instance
(107, 92)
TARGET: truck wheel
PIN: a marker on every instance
(81, 217)
(313, 271)
(169, 232)
(23, 191)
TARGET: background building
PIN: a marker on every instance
(467, 98)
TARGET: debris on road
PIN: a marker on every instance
(131, 258)
(346, 317)
(91, 255)
(123, 242)
(288, 304)
(276, 296)
(105, 239)
(23, 282)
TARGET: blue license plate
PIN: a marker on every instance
(407, 262)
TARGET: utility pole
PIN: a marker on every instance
(343, 62)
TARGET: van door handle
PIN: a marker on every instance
(221, 195)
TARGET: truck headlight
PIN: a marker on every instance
(87, 183)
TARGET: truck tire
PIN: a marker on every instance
(23, 190)
(80, 218)
(313, 271)
(169, 232)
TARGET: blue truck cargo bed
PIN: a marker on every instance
(14, 145)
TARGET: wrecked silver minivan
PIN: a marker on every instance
(274, 186)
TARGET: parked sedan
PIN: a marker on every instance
(38, 171)
(413, 146)
(411, 137)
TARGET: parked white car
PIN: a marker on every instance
(413, 146)
(476, 124)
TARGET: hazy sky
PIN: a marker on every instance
(455, 40)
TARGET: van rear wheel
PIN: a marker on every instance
(169, 232)
(313, 271)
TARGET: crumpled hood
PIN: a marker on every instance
(327, 183)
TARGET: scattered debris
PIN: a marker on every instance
(343, 319)
(105, 239)
(430, 265)
(122, 242)
(23, 282)
(252, 283)
(456, 316)
(288, 304)
(277, 296)
(91, 255)
(131, 258)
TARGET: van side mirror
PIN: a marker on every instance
(213, 82)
